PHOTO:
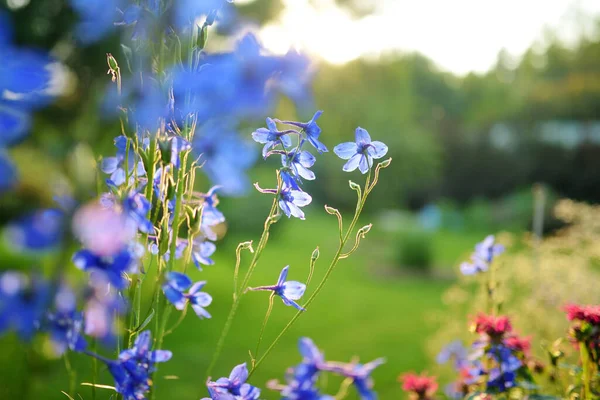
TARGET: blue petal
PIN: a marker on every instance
(239, 374)
(294, 290)
(196, 287)
(283, 275)
(362, 136)
(109, 165)
(175, 297)
(352, 164)
(365, 163)
(161, 355)
(309, 351)
(295, 211)
(14, 125)
(345, 150)
(285, 207)
(201, 299)
(321, 148)
(200, 312)
(301, 198)
(286, 140)
(179, 281)
(261, 135)
(143, 342)
(377, 149)
(306, 159)
(271, 125)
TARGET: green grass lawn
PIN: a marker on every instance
(361, 313)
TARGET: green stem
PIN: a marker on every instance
(236, 302)
(586, 374)
(72, 374)
(94, 369)
(334, 262)
(262, 330)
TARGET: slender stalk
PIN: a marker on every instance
(72, 374)
(94, 369)
(264, 325)
(586, 373)
(359, 206)
(236, 302)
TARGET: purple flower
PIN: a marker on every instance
(287, 290)
(271, 137)
(234, 387)
(312, 131)
(174, 289)
(291, 200)
(360, 154)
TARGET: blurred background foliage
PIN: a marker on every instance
(467, 151)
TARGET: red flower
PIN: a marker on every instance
(422, 386)
(491, 325)
(517, 343)
(587, 313)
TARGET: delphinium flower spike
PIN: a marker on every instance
(289, 291)
(361, 152)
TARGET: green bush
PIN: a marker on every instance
(415, 250)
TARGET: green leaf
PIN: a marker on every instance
(146, 321)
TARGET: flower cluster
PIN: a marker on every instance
(234, 387)
(498, 358)
(585, 328)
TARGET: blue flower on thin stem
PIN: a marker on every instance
(312, 131)
(360, 154)
(174, 289)
(234, 387)
(291, 200)
(201, 252)
(299, 162)
(287, 290)
(132, 370)
(271, 137)
(136, 206)
(110, 267)
(210, 214)
(39, 231)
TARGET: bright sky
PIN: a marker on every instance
(459, 35)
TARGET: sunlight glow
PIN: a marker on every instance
(459, 35)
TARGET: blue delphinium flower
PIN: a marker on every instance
(39, 231)
(23, 303)
(174, 288)
(360, 154)
(298, 163)
(234, 387)
(302, 380)
(271, 137)
(201, 252)
(482, 257)
(210, 214)
(312, 131)
(115, 166)
(65, 324)
(287, 290)
(503, 376)
(291, 200)
(132, 370)
(110, 267)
